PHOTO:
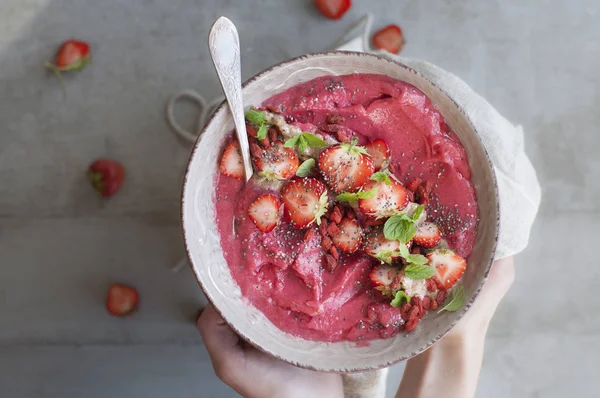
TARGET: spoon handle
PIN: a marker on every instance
(224, 47)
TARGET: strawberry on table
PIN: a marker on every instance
(428, 235)
(346, 166)
(305, 201)
(264, 212)
(276, 162)
(73, 55)
(380, 153)
(106, 176)
(390, 198)
(232, 164)
(449, 266)
(121, 300)
(333, 9)
(349, 236)
(390, 38)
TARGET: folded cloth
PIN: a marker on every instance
(518, 187)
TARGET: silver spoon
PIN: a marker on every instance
(224, 47)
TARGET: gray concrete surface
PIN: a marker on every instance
(60, 245)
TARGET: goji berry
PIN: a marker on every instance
(334, 252)
(411, 324)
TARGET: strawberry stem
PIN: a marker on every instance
(58, 75)
(96, 179)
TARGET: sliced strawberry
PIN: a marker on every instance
(450, 267)
(232, 164)
(276, 162)
(121, 299)
(428, 235)
(375, 242)
(383, 275)
(345, 167)
(333, 9)
(388, 200)
(349, 237)
(380, 153)
(264, 212)
(389, 38)
(304, 200)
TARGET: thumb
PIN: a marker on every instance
(221, 342)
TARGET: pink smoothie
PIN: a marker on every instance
(281, 274)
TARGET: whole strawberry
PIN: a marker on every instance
(106, 176)
(72, 55)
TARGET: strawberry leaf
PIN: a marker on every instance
(399, 297)
(256, 117)
(380, 176)
(352, 148)
(306, 168)
(415, 271)
(323, 205)
(261, 134)
(456, 300)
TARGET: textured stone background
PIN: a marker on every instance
(60, 245)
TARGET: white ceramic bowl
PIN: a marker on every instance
(203, 244)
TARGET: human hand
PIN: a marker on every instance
(477, 319)
(254, 374)
(450, 368)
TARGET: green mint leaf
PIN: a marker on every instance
(292, 142)
(404, 250)
(415, 271)
(456, 301)
(353, 197)
(380, 176)
(302, 144)
(261, 134)
(313, 141)
(399, 297)
(367, 194)
(399, 227)
(323, 205)
(417, 213)
(347, 197)
(384, 256)
(256, 117)
(417, 259)
(305, 168)
(305, 140)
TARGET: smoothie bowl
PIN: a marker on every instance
(369, 226)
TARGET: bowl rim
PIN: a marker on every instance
(466, 306)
